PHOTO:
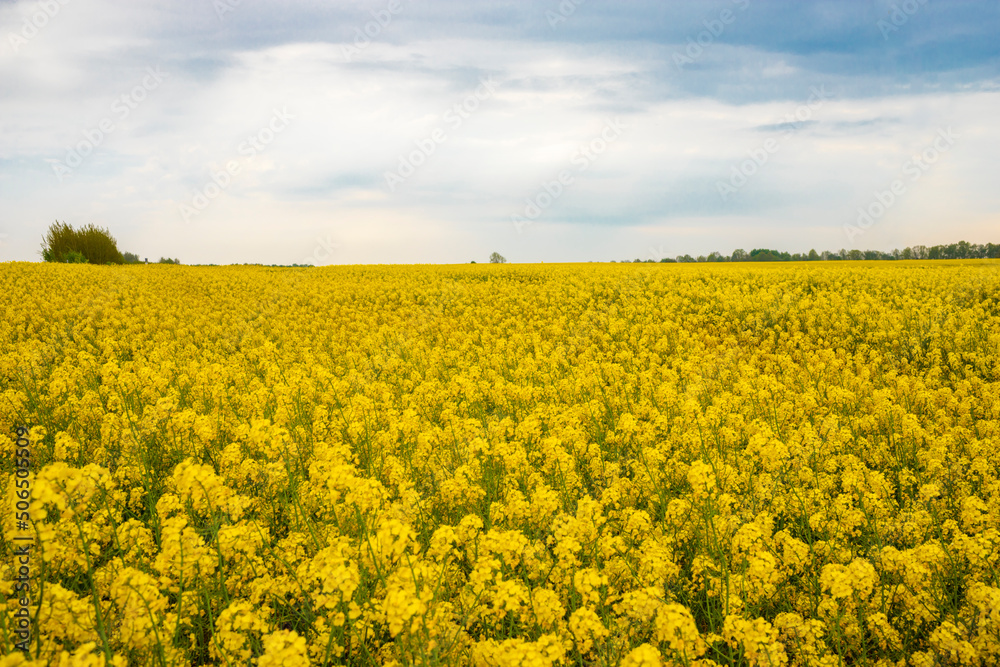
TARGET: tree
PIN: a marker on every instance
(131, 258)
(766, 255)
(813, 255)
(94, 244)
(497, 258)
(739, 255)
(58, 242)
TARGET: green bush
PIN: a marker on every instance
(94, 244)
(60, 240)
(75, 257)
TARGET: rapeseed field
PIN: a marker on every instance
(699, 465)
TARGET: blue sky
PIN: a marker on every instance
(243, 131)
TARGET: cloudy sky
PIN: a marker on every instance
(409, 131)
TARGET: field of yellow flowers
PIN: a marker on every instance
(624, 464)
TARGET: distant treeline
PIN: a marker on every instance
(960, 250)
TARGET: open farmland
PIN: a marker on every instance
(711, 464)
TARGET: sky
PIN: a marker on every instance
(408, 131)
